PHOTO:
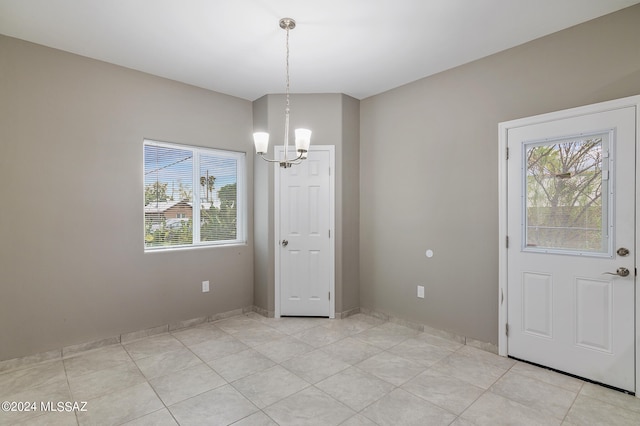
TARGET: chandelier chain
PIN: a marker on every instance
(303, 136)
(287, 109)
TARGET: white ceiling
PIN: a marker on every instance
(356, 47)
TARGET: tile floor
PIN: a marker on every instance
(251, 370)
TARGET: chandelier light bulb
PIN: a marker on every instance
(261, 141)
(303, 140)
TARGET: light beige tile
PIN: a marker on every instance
(186, 383)
(401, 408)
(543, 397)
(214, 349)
(551, 377)
(241, 364)
(307, 408)
(398, 328)
(168, 362)
(355, 388)
(314, 366)
(358, 420)
(152, 346)
(350, 350)
(295, 325)
(486, 358)
(96, 360)
(368, 319)
(417, 350)
(97, 383)
(447, 335)
(470, 369)
(463, 422)
(440, 341)
(121, 406)
(52, 391)
(385, 337)
(591, 411)
(446, 392)
(256, 419)
(157, 418)
(50, 419)
(45, 373)
(258, 336)
(220, 406)
(391, 368)
(237, 323)
(351, 325)
(491, 410)
(283, 349)
(611, 396)
(196, 335)
(406, 323)
(484, 346)
(29, 361)
(320, 336)
(269, 386)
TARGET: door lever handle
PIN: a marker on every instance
(284, 243)
(622, 272)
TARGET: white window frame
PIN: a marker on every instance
(241, 194)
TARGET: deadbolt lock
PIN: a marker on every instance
(623, 251)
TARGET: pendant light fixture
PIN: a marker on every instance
(303, 136)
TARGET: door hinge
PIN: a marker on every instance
(329, 171)
(507, 241)
(507, 153)
(506, 329)
(329, 233)
(329, 295)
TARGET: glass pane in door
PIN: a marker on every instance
(567, 188)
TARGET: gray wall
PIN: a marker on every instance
(429, 162)
(72, 261)
(334, 120)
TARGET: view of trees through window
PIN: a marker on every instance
(565, 200)
(175, 199)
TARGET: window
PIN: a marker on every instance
(185, 185)
(567, 195)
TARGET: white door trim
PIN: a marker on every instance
(503, 129)
(278, 150)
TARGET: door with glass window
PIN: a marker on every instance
(571, 271)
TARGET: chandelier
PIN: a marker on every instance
(303, 136)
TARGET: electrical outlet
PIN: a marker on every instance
(421, 292)
(205, 286)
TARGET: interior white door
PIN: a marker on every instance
(305, 240)
(570, 224)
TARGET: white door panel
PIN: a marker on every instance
(570, 206)
(305, 223)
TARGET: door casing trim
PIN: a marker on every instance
(279, 149)
(503, 129)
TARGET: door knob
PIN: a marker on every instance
(622, 272)
(285, 242)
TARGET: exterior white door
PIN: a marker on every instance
(305, 251)
(571, 241)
